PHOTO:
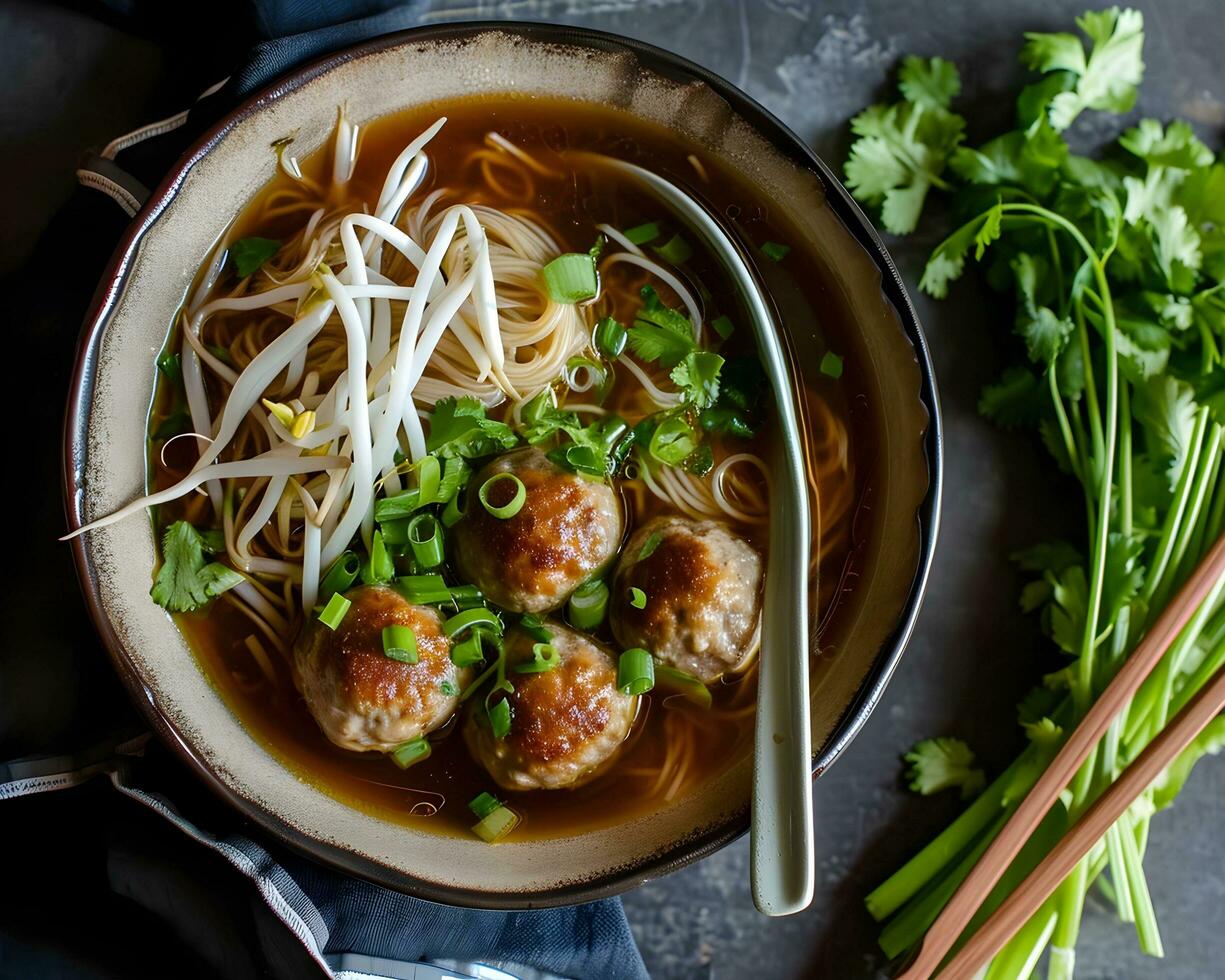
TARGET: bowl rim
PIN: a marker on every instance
(80, 396)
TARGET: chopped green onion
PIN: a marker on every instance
(672, 441)
(395, 532)
(831, 365)
(480, 616)
(683, 683)
(723, 326)
(452, 512)
(429, 476)
(400, 506)
(635, 672)
(379, 567)
(454, 477)
(675, 250)
(496, 825)
(544, 658)
(400, 643)
(571, 278)
(512, 506)
(425, 539)
(588, 605)
(610, 337)
(449, 689)
(250, 253)
(340, 576)
(468, 652)
(653, 541)
(467, 596)
(533, 626)
(483, 804)
(774, 251)
(334, 612)
(171, 366)
(499, 719)
(423, 589)
(641, 234)
(638, 598)
(410, 752)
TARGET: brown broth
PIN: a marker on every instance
(276, 715)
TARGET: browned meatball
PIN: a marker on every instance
(566, 723)
(703, 596)
(364, 700)
(567, 528)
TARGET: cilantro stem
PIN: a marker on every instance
(910, 879)
(1125, 475)
(1070, 896)
(1065, 429)
(1174, 515)
(1097, 470)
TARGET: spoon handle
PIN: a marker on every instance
(782, 846)
(781, 834)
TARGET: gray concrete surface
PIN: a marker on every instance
(72, 83)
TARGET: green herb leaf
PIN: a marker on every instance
(251, 253)
(937, 764)
(187, 580)
(458, 427)
(1106, 77)
(902, 149)
(697, 376)
(660, 333)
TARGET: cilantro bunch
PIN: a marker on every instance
(1116, 267)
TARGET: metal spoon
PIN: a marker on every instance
(782, 833)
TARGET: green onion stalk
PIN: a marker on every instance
(1097, 435)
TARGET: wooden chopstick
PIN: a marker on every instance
(1087, 831)
(999, 854)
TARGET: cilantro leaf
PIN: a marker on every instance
(458, 427)
(903, 149)
(187, 580)
(251, 253)
(1017, 400)
(932, 83)
(698, 378)
(1105, 79)
(1048, 556)
(660, 333)
(1064, 617)
(936, 764)
(1045, 333)
(1031, 159)
(1165, 408)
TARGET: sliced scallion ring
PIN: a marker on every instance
(494, 826)
(400, 643)
(425, 539)
(511, 507)
(635, 672)
(413, 751)
(479, 616)
(588, 605)
(544, 658)
(334, 612)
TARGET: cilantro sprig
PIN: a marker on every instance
(903, 149)
(187, 580)
(1115, 267)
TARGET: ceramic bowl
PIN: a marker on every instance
(105, 447)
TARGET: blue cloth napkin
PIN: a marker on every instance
(345, 927)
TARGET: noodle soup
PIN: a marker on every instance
(637, 449)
